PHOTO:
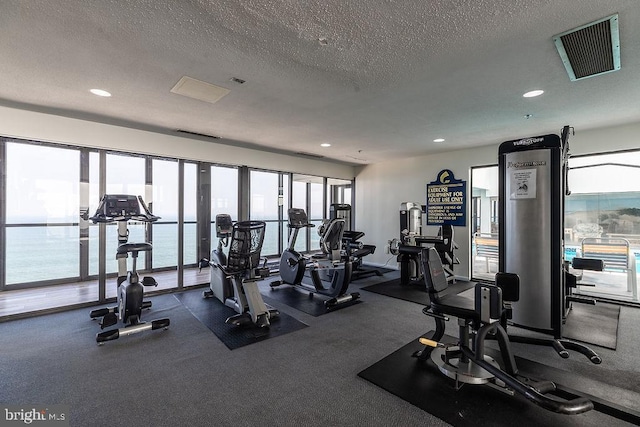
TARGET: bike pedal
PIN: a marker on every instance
(109, 319)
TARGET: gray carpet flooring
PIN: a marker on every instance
(593, 324)
(187, 376)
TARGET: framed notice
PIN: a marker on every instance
(447, 200)
(523, 183)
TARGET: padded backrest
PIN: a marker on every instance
(510, 285)
(433, 272)
(331, 239)
(446, 233)
(246, 244)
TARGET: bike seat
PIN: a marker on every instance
(134, 247)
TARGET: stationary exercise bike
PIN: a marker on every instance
(330, 272)
(234, 277)
(121, 209)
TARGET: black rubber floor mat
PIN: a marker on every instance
(423, 385)
(300, 299)
(413, 292)
(212, 313)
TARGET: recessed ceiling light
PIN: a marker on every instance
(533, 93)
(438, 140)
(100, 92)
(325, 144)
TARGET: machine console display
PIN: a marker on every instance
(297, 218)
(224, 225)
(120, 205)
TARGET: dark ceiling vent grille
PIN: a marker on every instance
(305, 154)
(591, 49)
(204, 135)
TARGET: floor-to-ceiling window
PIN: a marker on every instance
(339, 192)
(165, 205)
(316, 209)
(51, 191)
(92, 204)
(264, 205)
(308, 194)
(299, 200)
(190, 206)
(42, 213)
(125, 174)
(224, 195)
(284, 201)
(604, 208)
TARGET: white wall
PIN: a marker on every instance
(18, 123)
(380, 188)
(388, 184)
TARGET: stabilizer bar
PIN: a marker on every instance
(574, 406)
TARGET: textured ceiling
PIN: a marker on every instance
(376, 79)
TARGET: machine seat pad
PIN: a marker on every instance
(361, 253)
(134, 247)
(455, 305)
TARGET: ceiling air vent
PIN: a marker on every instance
(204, 135)
(591, 49)
(197, 89)
(305, 154)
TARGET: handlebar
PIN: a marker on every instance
(308, 224)
(107, 218)
(119, 207)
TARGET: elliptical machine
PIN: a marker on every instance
(328, 267)
(234, 278)
(121, 209)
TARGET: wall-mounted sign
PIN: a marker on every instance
(447, 200)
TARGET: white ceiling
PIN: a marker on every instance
(376, 79)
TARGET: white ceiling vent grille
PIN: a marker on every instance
(591, 49)
(197, 89)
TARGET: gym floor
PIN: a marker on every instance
(186, 375)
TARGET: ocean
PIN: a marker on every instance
(46, 253)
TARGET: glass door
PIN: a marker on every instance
(484, 226)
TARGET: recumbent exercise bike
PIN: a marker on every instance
(479, 319)
(234, 277)
(122, 209)
(330, 272)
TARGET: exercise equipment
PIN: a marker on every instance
(352, 244)
(532, 186)
(234, 277)
(122, 209)
(467, 361)
(409, 247)
(329, 271)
